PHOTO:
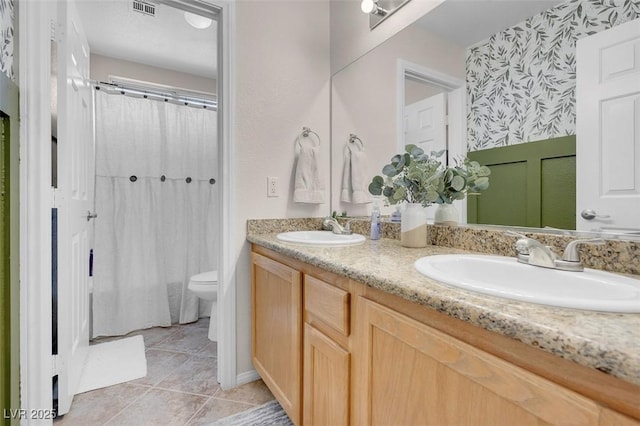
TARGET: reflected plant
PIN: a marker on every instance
(466, 178)
(416, 177)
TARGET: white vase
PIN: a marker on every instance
(446, 214)
(413, 228)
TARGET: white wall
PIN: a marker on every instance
(282, 84)
(350, 34)
(102, 67)
(364, 100)
(415, 91)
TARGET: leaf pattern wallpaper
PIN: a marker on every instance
(521, 82)
(7, 17)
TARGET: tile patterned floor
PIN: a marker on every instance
(180, 387)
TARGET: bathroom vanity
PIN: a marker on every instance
(354, 335)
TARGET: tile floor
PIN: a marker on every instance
(180, 387)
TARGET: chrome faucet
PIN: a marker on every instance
(331, 224)
(532, 252)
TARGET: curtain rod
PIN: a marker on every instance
(148, 92)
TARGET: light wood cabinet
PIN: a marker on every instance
(327, 366)
(336, 352)
(277, 331)
(611, 418)
(408, 373)
(326, 380)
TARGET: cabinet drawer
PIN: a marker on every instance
(327, 303)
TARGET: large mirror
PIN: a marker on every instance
(479, 78)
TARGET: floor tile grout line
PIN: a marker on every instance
(133, 401)
(235, 400)
(198, 410)
(180, 352)
(213, 396)
(184, 392)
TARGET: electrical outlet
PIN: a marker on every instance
(272, 186)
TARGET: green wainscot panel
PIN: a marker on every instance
(5, 278)
(558, 193)
(9, 249)
(532, 184)
(508, 183)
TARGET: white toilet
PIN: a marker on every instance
(205, 286)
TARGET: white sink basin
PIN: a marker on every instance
(321, 238)
(506, 277)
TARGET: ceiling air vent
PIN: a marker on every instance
(144, 7)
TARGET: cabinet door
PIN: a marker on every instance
(277, 330)
(409, 373)
(326, 380)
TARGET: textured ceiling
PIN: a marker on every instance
(165, 40)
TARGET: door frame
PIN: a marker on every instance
(436, 78)
(35, 205)
(35, 18)
(456, 112)
(227, 373)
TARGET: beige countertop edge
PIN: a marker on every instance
(604, 341)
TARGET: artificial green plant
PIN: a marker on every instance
(417, 177)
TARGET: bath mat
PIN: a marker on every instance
(113, 362)
(270, 413)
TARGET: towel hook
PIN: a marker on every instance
(353, 138)
(305, 133)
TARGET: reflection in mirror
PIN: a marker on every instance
(379, 10)
(431, 115)
(518, 60)
(365, 101)
(424, 114)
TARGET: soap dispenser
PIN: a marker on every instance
(375, 221)
(396, 216)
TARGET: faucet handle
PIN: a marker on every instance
(571, 251)
(347, 226)
(327, 223)
(521, 245)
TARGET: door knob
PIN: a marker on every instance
(590, 214)
(91, 215)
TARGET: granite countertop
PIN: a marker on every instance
(604, 341)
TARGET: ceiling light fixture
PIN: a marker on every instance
(197, 21)
(371, 7)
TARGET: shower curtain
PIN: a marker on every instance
(156, 200)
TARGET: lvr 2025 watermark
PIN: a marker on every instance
(32, 414)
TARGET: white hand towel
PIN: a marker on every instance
(345, 195)
(355, 183)
(309, 187)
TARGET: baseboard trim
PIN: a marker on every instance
(247, 377)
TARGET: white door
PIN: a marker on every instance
(425, 123)
(608, 130)
(74, 200)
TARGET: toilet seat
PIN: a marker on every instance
(206, 278)
(205, 285)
